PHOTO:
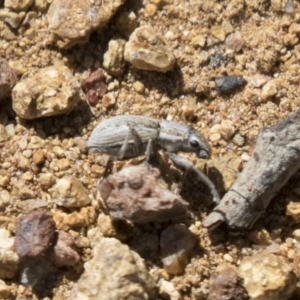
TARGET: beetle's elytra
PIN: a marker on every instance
(128, 136)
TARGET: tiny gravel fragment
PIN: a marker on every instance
(5, 199)
(113, 59)
(218, 59)
(268, 90)
(225, 284)
(34, 234)
(108, 100)
(5, 290)
(218, 32)
(69, 192)
(258, 80)
(11, 18)
(18, 5)
(4, 178)
(293, 210)
(235, 41)
(46, 180)
(176, 243)
(168, 291)
(38, 157)
(228, 83)
(64, 253)
(9, 260)
(3, 134)
(238, 140)
(95, 87)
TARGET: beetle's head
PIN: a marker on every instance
(198, 144)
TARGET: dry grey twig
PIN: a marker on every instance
(275, 159)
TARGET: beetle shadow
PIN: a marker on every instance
(170, 83)
(197, 193)
(168, 173)
(62, 126)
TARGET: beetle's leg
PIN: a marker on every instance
(138, 145)
(149, 149)
(186, 164)
(107, 167)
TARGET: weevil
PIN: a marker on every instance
(128, 136)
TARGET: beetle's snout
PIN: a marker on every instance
(204, 154)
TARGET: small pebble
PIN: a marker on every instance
(58, 151)
(267, 276)
(64, 253)
(3, 134)
(135, 194)
(39, 157)
(10, 129)
(218, 32)
(5, 199)
(46, 180)
(260, 237)
(239, 140)
(69, 192)
(167, 290)
(95, 87)
(151, 9)
(116, 272)
(72, 22)
(147, 49)
(8, 78)
(18, 5)
(23, 162)
(176, 243)
(218, 59)
(34, 234)
(228, 258)
(44, 100)
(228, 83)
(9, 260)
(4, 178)
(296, 234)
(235, 41)
(108, 100)
(5, 290)
(245, 156)
(258, 80)
(113, 59)
(225, 130)
(215, 137)
(293, 210)
(269, 90)
(224, 283)
(138, 87)
(289, 7)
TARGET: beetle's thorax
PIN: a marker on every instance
(172, 136)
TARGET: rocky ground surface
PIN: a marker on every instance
(227, 68)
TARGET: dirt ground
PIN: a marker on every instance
(196, 32)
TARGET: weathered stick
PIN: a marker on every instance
(275, 159)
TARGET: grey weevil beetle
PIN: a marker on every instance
(128, 136)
